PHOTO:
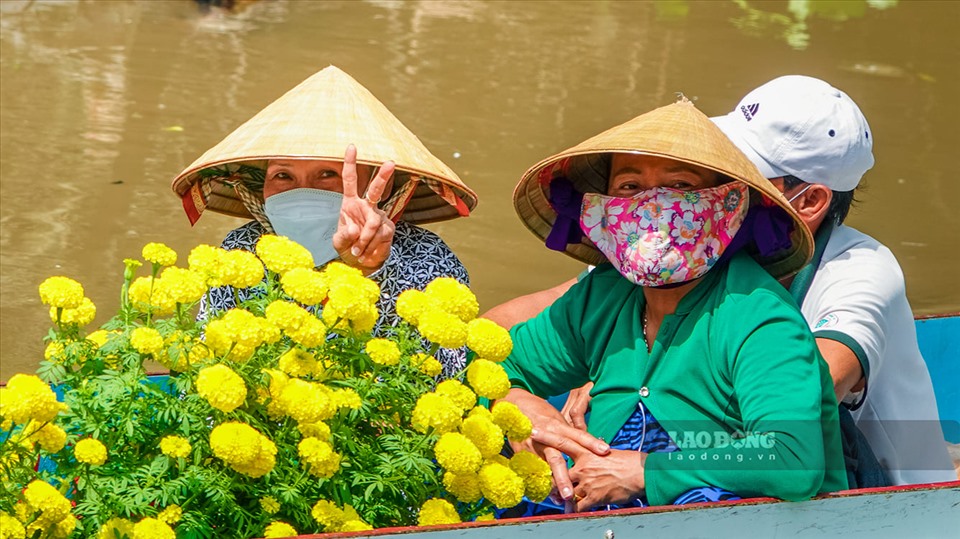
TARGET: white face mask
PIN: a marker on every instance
(308, 217)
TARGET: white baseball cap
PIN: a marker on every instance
(803, 127)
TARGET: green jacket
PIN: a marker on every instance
(734, 376)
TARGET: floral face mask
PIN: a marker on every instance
(664, 236)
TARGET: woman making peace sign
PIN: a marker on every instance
(286, 167)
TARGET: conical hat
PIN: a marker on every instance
(678, 131)
(317, 120)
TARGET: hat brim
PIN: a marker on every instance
(318, 119)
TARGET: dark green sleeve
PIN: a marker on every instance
(780, 389)
(549, 344)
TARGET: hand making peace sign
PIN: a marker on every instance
(364, 233)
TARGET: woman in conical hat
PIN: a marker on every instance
(328, 166)
(689, 340)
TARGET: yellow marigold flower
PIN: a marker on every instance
(278, 380)
(10, 527)
(437, 511)
(480, 411)
(240, 269)
(90, 451)
(223, 388)
(456, 453)
(28, 397)
(170, 515)
(305, 285)
(281, 254)
(355, 526)
(526, 463)
(50, 437)
(286, 315)
(183, 285)
(348, 288)
(82, 315)
(299, 363)
(537, 487)
(346, 398)
(328, 515)
(365, 319)
(279, 529)
(319, 430)
(355, 311)
(486, 517)
(64, 528)
(443, 329)
(61, 293)
(426, 364)
(147, 341)
(148, 293)
(243, 448)
(318, 457)
(488, 379)
(310, 334)
(175, 446)
(191, 352)
(306, 402)
(499, 459)
(454, 297)
(53, 506)
(436, 411)
(500, 485)
(54, 351)
(484, 433)
(536, 475)
(152, 528)
(383, 351)
(116, 527)
(238, 334)
(464, 487)
(458, 393)
(337, 272)
(269, 504)
(158, 253)
(100, 337)
(489, 340)
(509, 418)
(205, 260)
(412, 303)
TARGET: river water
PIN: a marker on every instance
(104, 102)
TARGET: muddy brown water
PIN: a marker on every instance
(103, 102)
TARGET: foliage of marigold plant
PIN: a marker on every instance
(283, 415)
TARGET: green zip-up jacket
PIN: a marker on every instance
(734, 376)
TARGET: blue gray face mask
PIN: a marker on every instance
(308, 217)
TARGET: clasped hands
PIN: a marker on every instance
(600, 475)
(364, 232)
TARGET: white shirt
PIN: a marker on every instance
(858, 298)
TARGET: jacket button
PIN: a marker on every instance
(644, 392)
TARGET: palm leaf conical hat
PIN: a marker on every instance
(678, 131)
(317, 120)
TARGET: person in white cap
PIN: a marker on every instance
(815, 145)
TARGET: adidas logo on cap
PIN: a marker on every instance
(749, 111)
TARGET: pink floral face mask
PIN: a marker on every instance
(664, 236)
